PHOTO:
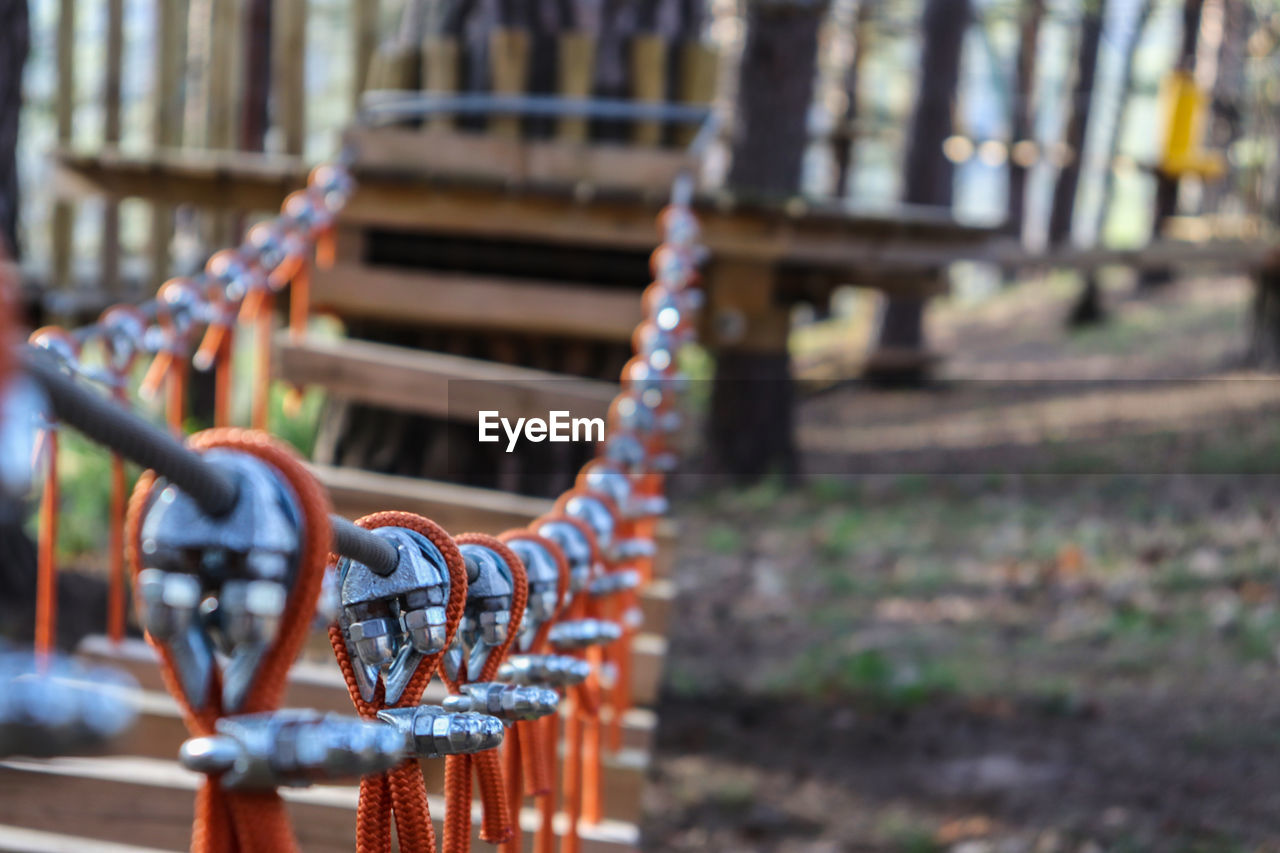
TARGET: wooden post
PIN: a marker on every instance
(288, 75)
(699, 64)
(649, 82)
(509, 64)
(224, 75)
(749, 427)
(364, 30)
(440, 57)
(166, 128)
(110, 260)
(577, 63)
(63, 212)
(222, 103)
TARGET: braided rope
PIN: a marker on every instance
(401, 792)
(237, 820)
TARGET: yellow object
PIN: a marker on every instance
(1185, 107)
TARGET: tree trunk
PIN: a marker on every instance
(749, 429)
(1166, 197)
(1227, 119)
(14, 42)
(1064, 193)
(1264, 342)
(929, 177)
(1089, 308)
(775, 87)
(847, 142)
(257, 67)
(1023, 114)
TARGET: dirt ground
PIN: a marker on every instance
(1031, 608)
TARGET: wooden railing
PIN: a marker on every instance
(217, 81)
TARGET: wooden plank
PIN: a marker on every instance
(478, 302)
(222, 131)
(314, 682)
(656, 600)
(393, 66)
(821, 236)
(20, 840)
(648, 82)
(435, 383)
(456, 508)
(440, 65)
(575, 74)
(364, 33)
(109, 260)
(743, 311)
(64, 107)
(501, 159)
(149, 802)
(250, 182)
(167, 111)
(699, 65)
(160, 732)
(288, 73)
(509, 67)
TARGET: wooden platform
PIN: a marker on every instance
(147, 803)
(455, 300)
(430, 383)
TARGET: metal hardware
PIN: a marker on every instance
(293, 748)
(598, 516)
(510, 703)
(486, 619)
(430, 731)
(611, 583)
(583, 633)
(391, 622)
(57, 706)
(577, 548)
(219, 582)
(548, 670)
(544, 580)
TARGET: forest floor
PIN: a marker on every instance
(1033, 607)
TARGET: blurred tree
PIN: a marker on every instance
(1165, 203)
(1093, 12)
(14, 43)
(1227, 117)
(846, 143)
(751, 405)
(928, 173)
(257, 67)
(775, 87)
(1021, 120)
(1088, 307)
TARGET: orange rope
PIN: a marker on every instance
(47, 570)
(116, 599)
(537, 739)
(589, 693)
(264, 318)
(496, 825)
(300, 302)
(401, 793)
(239, 821)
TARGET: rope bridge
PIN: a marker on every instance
(233, 554)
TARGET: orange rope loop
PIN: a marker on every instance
(401, 793)
(497, 824)
(229, 821)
